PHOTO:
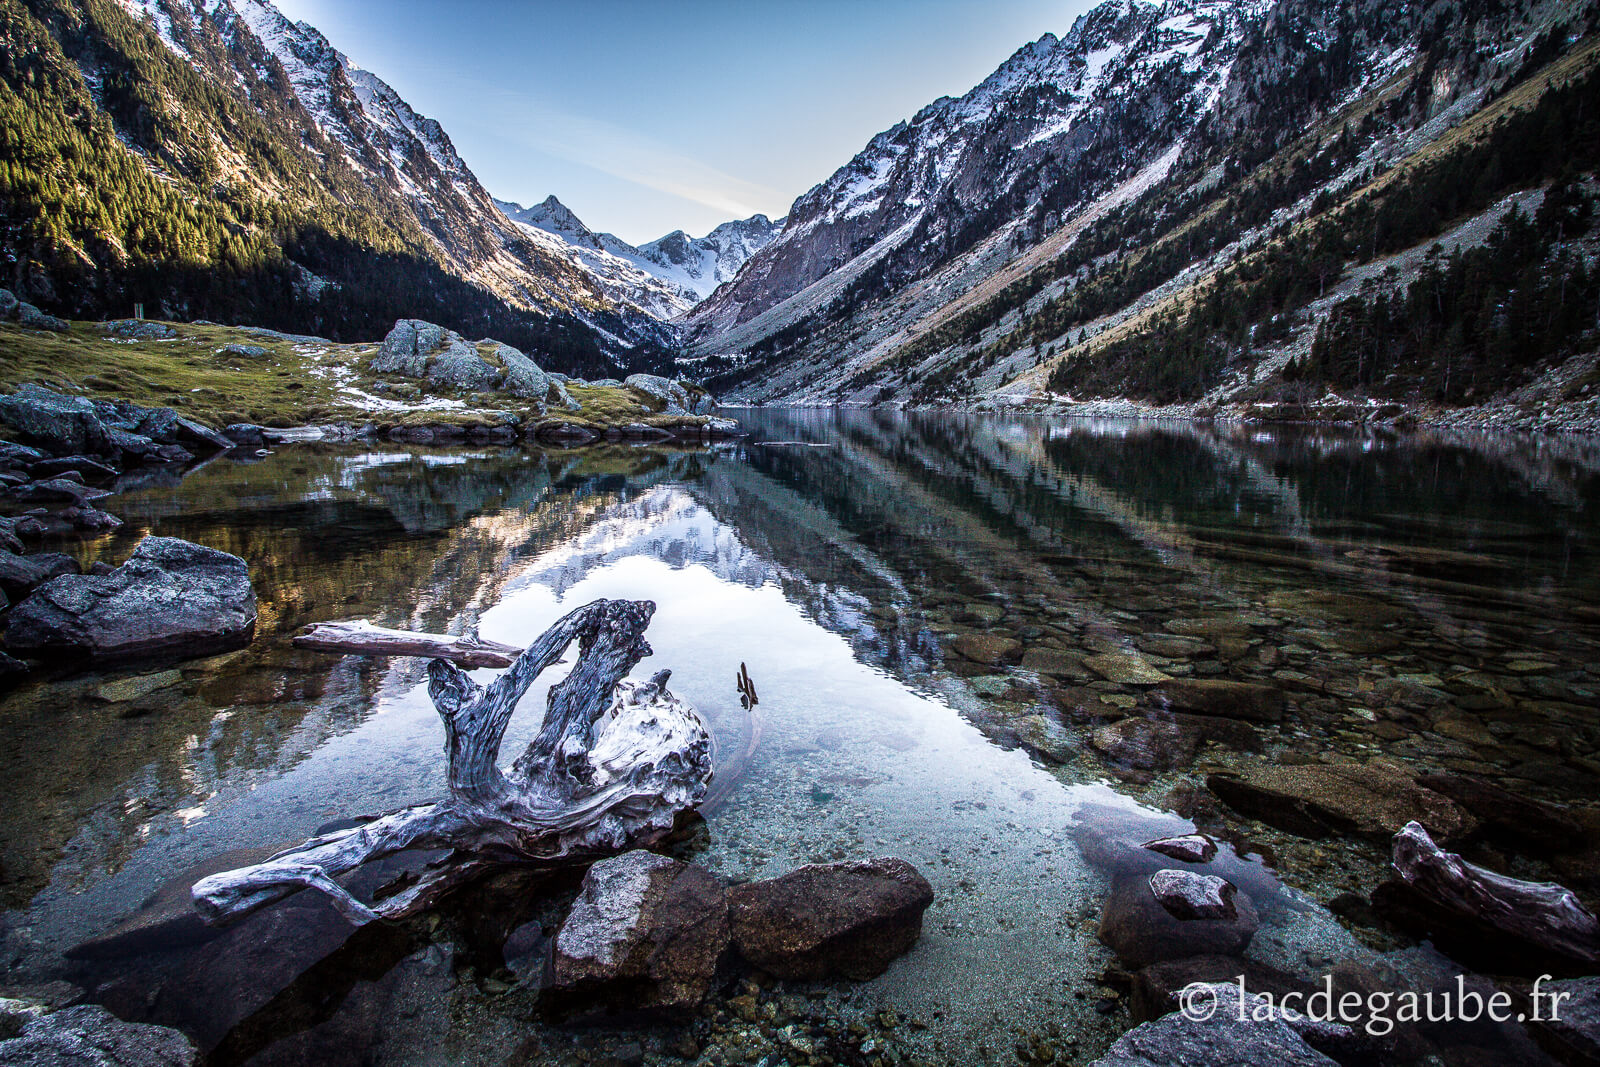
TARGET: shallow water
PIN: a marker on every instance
(1383, 583)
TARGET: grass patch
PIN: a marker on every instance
(605, 405)
(187, 374)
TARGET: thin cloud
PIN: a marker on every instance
(624, 153)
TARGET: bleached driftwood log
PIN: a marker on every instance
(365, 639)
(1543, 914)
(613, 767)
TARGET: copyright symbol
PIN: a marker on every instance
(1197, 1001)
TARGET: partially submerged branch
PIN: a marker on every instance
(363, 638)
(1543, 915)
(614, 766)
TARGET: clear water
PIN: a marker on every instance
(836, 555)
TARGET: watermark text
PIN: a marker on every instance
(1377, 1012)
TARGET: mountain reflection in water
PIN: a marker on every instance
(1357, 573)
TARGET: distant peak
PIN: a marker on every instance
(558, 212)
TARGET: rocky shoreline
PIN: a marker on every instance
(421, 384)
(72, 452)
(1537, 413)
(691, 430)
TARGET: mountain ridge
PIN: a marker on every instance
(379, 135)
(256, 174)
(933, 267)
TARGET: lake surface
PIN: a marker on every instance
(1429, 599)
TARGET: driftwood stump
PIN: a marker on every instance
(613, 767)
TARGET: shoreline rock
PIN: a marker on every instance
(88, 431)
(830, 919)
(644, 937)
(649, 935)
(170, 596)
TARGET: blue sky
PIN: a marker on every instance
(646, 117)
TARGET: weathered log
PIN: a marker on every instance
(614, 767)
(365, 639)
(1545, 916)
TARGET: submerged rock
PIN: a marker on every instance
(828, 920)
(1519, 822)
(644, 936)
(167, 919)
(1376, 798)
(1124, 668)
(988, 649)
(90, 1036)
(1156, 987)
(1054, 662)
(137, 687)
(1116, 842)
(169, 596)
(1146, 744)
(1234, 700)
(1140, 930)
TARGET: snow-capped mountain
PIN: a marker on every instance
(1158, 205)
(1061, 119)
(612, 264)
(700, 264)
(400, 154)
(686, 269)
(552, 216)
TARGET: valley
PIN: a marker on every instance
(1116, 556)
